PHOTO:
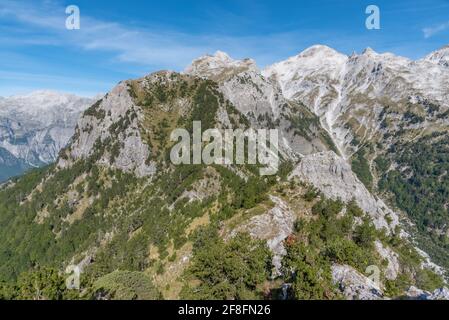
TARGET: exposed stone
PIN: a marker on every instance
(333, 176)
(274, 227)
(219, 66)
(262, 102)
(437, 294)
(393, 268)
(133, 153)
(440, 294)
(417, 294)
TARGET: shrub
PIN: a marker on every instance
(232, 270)
(126, 285)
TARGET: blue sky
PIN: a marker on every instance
(128, 39)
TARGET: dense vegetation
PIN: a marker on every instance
(421, 188)
(236, 269)
(125, 285)
(322, 240)
(361, 168)
(157, 216)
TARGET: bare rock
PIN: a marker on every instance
(115, 109)
(333, 176)
(416, 294)
(393, 268)
(440, 294)
(274, 227)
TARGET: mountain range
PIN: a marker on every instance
(34, 127)
(357, 210)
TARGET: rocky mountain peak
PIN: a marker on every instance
(219, 66)
(440, 56)
(369, 51)
(319, 49)
(312, 65)
(222, 56)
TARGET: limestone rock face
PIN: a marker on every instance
(112, 121)
(273, 226)
(333, 176)
(440, 294)
(416, 294)
(393, 267)
(437, 294)
(219, 66)
(262, 102)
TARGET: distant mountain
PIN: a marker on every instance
(34, 128)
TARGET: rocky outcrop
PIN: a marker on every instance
(393, 268)
(333, 176)
(356, 286)
(219, 67)
(273, 226)
(429, 264)
(418, 294)
(440, 294)
(111, 127)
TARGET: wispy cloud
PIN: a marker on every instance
(129, 45)
(122, 49)
(150, 48)
(431, 31)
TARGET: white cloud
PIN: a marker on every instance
(431, 31)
